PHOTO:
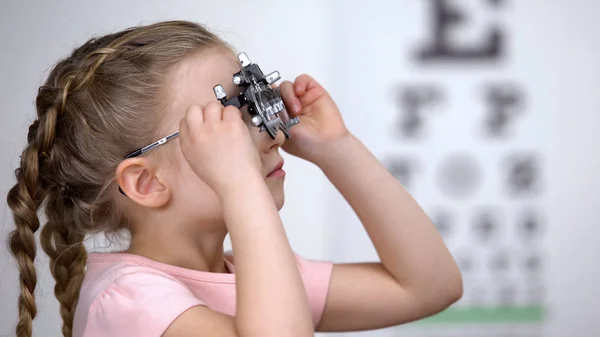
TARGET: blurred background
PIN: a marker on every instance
(486, 110)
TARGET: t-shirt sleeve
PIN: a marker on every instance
(316, 276)
(139, 302)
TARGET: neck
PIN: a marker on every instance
(197, 251)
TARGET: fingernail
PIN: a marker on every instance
(297, 108)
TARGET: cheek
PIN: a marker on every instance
(259, 139)
(181, 175)
(188, 179)
(254, 131)
(193, 195)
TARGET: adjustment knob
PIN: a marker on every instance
(220, 92)
(244, 59)
(273, 77)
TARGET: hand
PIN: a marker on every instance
(321, 125)
(217, 145)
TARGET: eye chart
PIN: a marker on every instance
(456, 98)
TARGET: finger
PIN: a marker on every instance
(194, 114)
(231, 113)
(213, 112)
(308, 90)
(286, 89)
(304, 83)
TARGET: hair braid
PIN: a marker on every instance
(96, 105)
(64, 246)
(24, 199)
(60, 239)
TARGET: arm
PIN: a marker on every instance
(417, 276)
(271, 300)
(268, 281)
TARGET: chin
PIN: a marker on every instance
(277, 193)
(279, 203)
(279, 199)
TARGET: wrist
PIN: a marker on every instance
(248, 209)
(336, 153)
(250, 184)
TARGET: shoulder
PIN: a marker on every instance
(125, 299)
(314, 268)
(316, 276)
(309, 268)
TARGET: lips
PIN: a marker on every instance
(276, 168)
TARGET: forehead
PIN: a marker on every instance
(192, 80)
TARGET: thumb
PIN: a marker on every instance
(308, 90)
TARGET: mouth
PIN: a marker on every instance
(277, 170)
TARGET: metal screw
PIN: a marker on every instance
(256, 120)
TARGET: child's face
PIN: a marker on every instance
(192, 82)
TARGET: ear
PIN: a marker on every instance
(139, 182)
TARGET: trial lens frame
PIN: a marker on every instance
(265, 104)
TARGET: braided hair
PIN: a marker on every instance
(96, 105)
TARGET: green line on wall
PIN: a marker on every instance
(488, 315)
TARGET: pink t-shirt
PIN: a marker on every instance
(129, 295)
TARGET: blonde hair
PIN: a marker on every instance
(96, 105)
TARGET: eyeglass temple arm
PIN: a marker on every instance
(147, 148)
(237, 101)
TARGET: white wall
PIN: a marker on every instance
(361, 52)
(551, 54)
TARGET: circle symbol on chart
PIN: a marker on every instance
(533, 263)
(529, 224)
(459, 176)
(486, 224)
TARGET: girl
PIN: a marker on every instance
(120, 92)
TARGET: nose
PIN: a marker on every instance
(263, 142)
(273, 144)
